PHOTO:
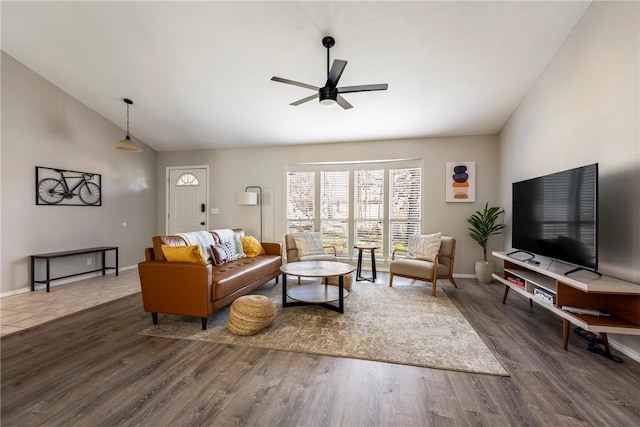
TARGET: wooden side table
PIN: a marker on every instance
(371, 247)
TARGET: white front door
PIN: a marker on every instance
(187, 197)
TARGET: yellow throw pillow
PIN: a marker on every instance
(251, 246)
(183, 254)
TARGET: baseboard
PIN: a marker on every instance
(627, 351)
(40, 286)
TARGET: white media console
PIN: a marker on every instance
(595, 303)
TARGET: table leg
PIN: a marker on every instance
(341, 294)
(565, 333)
(104, 265)
(373, 263)
(33, 272)
(506, 292)
(116, 261)
(284, 290)
(48, 272)
(605, 342)
(359, 266)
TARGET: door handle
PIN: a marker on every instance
(202, 208)
(202, 223)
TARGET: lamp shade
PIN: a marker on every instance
(127, 145)
(248, 198)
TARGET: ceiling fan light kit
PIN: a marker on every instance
(328, 97)
(330, 94)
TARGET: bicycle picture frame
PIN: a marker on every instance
(66, 187)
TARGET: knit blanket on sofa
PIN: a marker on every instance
(203, 239)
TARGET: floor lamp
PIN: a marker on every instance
(250, 198)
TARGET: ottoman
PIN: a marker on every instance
(348, 281)
(250, 314)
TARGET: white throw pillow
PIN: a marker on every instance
(308, 243)
(424, 246)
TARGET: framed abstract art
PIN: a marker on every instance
(460, 182)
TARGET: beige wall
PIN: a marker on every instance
(584, 109)
(44, 126)
(234, 169)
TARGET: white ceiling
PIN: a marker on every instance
(199, 72)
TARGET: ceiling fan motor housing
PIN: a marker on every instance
(328, 93)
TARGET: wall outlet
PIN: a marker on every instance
(89, 261)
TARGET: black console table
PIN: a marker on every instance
(51, 255)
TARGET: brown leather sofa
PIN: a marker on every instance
(200, 290)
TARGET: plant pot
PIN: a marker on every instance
(484, 269)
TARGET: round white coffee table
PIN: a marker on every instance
(317, 294)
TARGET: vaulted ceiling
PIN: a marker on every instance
(199, 72)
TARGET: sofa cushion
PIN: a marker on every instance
(251, 246)
(246, 270)
(189, 253)
(323, 257)
(416, 268)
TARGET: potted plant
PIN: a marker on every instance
(483, 225)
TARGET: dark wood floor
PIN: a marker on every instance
(94, 369)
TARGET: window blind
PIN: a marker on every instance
(334, 209)
(369, 205)
(301, 198)
(405, 205)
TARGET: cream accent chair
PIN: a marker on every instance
(419, 269)
(329, 255)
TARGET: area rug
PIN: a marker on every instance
(402, 325)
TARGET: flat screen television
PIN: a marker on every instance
(556, 216)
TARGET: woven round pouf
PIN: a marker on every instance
(348, 281)
(250, 314)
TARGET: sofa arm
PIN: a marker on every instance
(176, 287)
(272, 248)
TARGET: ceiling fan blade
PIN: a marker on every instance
(343, 103)
(292, 82)
(303, 100)
(363, 88)
(336, 71)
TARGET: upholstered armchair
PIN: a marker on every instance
(325, 253)
(312, 249)
(421, 269)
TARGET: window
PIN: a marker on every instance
(301, 199)
(334, 210)
(187, 179)
(368, 188)
(378, 203)
(404, 206)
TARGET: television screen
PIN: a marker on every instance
(556, 216)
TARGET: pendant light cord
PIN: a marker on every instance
(127, 119)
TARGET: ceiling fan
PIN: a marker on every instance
(330, 93)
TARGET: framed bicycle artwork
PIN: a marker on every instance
(63, 187)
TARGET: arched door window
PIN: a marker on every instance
(187, 179)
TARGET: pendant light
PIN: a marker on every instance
(127, 144)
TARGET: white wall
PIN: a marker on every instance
(583, 109)
(234, 169)
(44, 126)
